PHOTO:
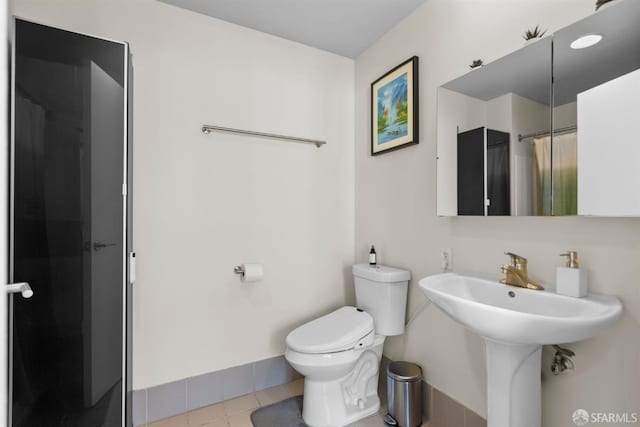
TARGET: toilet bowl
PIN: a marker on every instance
(339, 354)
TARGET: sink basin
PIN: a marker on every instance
(516, 315)
(515, 323)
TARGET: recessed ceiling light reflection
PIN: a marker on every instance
(586, 41)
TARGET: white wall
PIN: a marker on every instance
(565, 115)
(499, 113)
(396, 210)
(206, 203)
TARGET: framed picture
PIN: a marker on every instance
(394, 108)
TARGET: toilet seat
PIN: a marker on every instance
(344, 329)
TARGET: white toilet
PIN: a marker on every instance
(339, 354)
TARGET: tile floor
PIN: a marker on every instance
(236, 412)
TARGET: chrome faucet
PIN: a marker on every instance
(516, 274)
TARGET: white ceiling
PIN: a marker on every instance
(345, 27)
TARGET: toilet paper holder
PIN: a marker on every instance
(249, 272)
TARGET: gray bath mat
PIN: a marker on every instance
(287, 413)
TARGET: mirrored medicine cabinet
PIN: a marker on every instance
(552, 129)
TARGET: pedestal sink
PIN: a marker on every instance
(515, 323)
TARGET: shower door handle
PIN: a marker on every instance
(22, 287)
(100, 245)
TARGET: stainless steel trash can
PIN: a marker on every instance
(404, 394)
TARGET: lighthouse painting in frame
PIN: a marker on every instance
(394, 108)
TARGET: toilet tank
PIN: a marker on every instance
(382, 292)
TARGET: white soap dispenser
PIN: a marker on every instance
(572, 280)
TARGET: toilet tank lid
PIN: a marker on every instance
(381, 273)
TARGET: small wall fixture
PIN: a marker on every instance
(562, 360)
(586, 41)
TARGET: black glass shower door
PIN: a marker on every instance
(69, 240)
(471, 172)
(498, 165)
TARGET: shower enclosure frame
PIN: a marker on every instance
(127, 218)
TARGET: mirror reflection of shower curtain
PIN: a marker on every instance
(542, 176)
(565, 174)
(555, 175)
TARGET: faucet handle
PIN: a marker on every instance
(516, 259)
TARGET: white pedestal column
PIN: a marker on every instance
(513, 384)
